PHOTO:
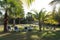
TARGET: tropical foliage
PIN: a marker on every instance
(40, 17)
(12, 8)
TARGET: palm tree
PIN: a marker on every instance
(29, 17)
(8, 5)
(28, 2)
(21, 16)
(54, 2)
(41, 17)
(0, 17)
(57, 16)
(16, 13)
(0, 13)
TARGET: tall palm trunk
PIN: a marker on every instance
(5, 21)
(54, 27)
(39, 25)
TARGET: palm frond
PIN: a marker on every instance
(54, 2)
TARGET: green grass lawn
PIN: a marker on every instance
(32, 35)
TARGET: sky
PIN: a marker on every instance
(38, 5)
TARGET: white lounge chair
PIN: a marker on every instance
(9, 28)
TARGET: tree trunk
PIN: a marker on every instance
(43, 27)
(13, 22)
(5, 21)
(39, 25)
(19, 20)
(55, 26)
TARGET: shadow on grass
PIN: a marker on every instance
(30, 35)
(52, 36)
